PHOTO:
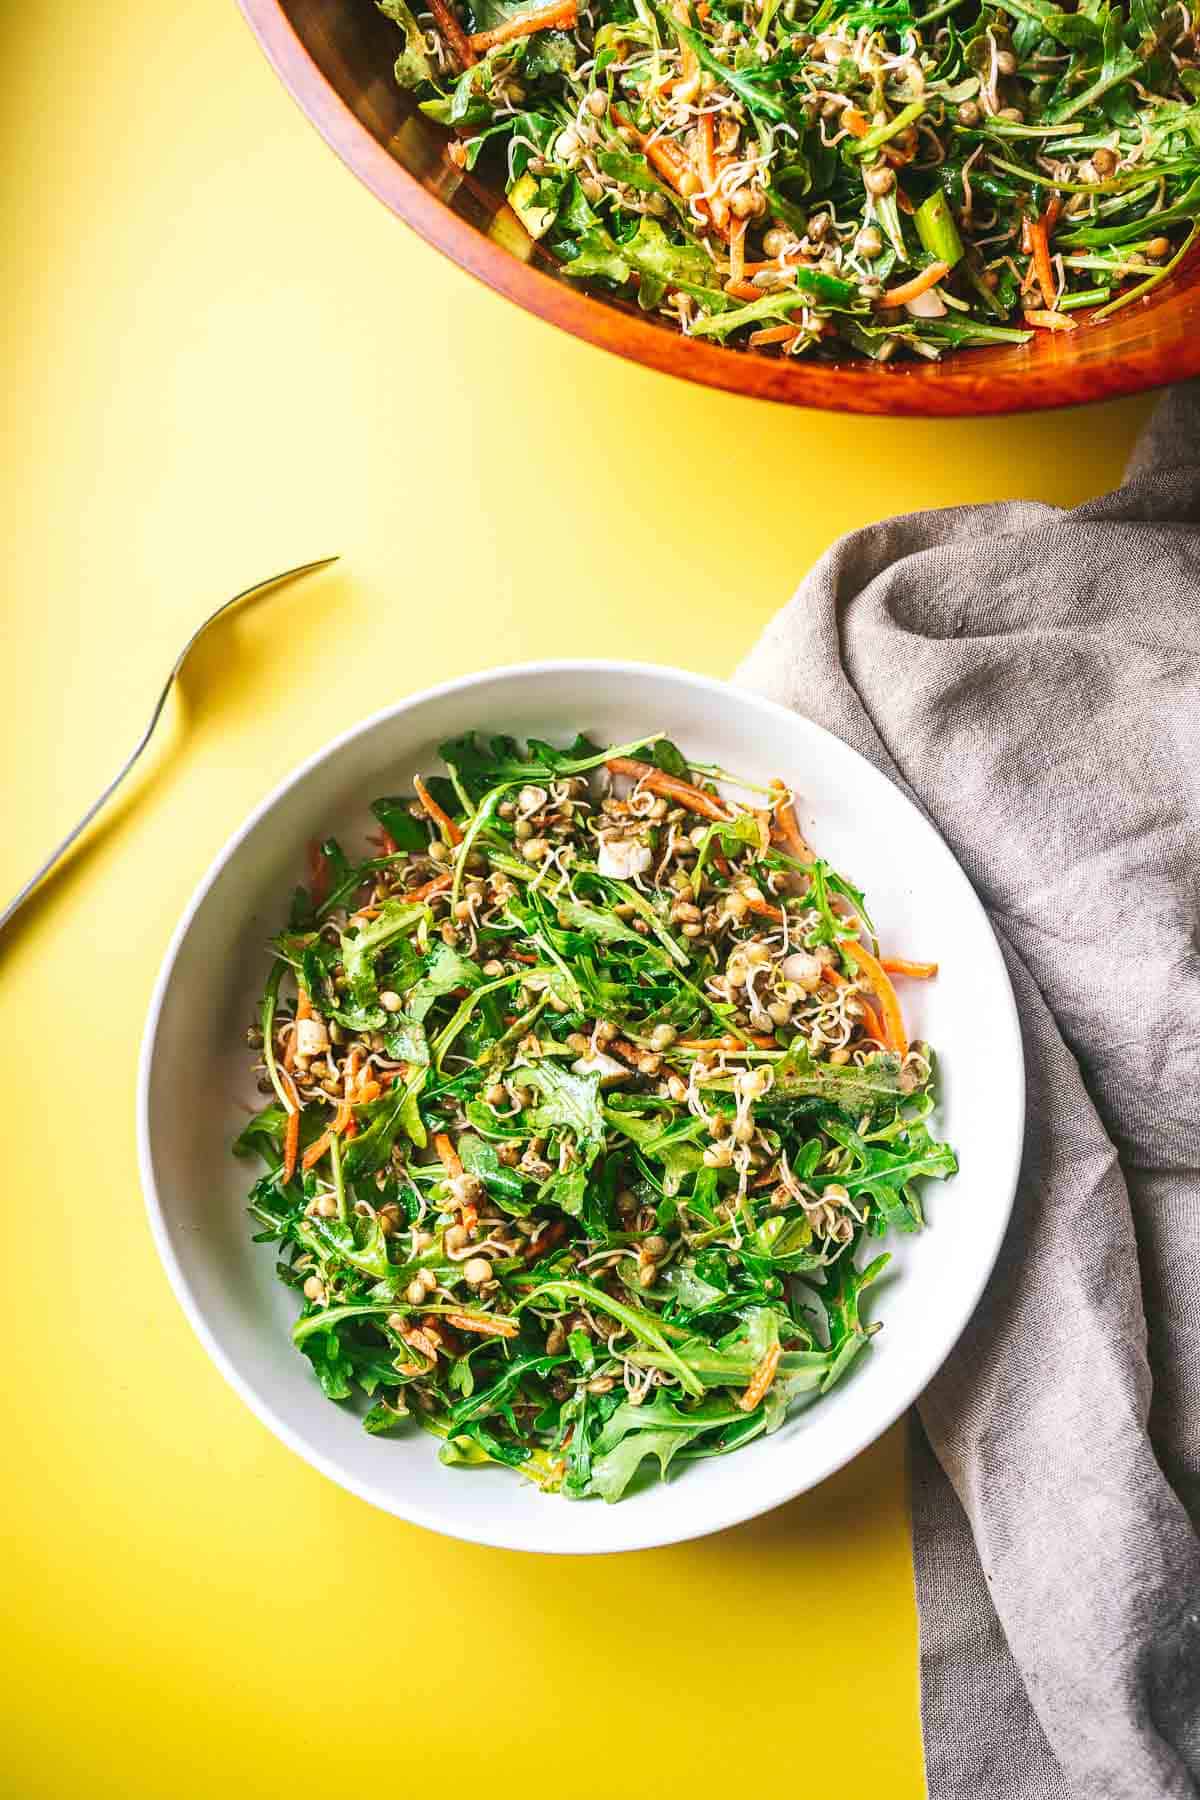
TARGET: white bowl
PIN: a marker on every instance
(194, 1085)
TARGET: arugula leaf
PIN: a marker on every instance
(382, 1122)
(446, 969)
(361, 949)
(568, 1100)
(406, 832)
(663, 1138)
(798, 1075)
(885, 1175)
(263, 1134)
(412, 66)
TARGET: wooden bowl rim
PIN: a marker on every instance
(960, 386)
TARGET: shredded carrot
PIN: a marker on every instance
(388, 844)
(318, 873)
(1039, 243)
(665, 155)
(317, 1149)
(447, 23)
(438, 885)
(737, 247)
(539, 18)
(763, 908)
(872, 1023)
(727, 1043)
(903, 202)
(856, 123)
(669, 786)
(876, 976)
(775, 334)
(919, 284)
(744, 290)
(788, 829)
(291, 1144)
(486, 1324)
(899, 965)
(689, 63)
(450, 1159)
(441, 819)
(1050, 321)
(761, 1379)
(303, 1011)
(290, 1092)
(708, 153)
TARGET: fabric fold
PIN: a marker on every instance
(1032, 678)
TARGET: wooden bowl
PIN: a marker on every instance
(336, 57)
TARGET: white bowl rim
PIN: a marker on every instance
(766, 1495)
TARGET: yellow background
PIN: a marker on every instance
(220, 357)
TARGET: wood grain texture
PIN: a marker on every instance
(335, 56)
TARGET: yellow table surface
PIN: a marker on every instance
(221, 357)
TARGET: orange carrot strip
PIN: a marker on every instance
(708, 153)
(669, 786)
(318, 873)
(788, 828)
(303, 1011)
(450, 1159)
(763, 908)
(665, 155)
(441, 819)
(727, 1043)
(920, 284)
(688, 59)
(1050, 321)
(1039, 240)
(291, 1144)
(737, 246)
(453, 32)
(438, 885)
(761, 1379)
(899, 965)
(774, 334)
(539, 18)
(295, 1104)
(316, 1150)
(486, 1324)
(744, 290)
(895, 1036)
(856, 123)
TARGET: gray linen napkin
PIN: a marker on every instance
(1032, 678)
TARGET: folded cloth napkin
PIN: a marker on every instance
(1032, 678)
